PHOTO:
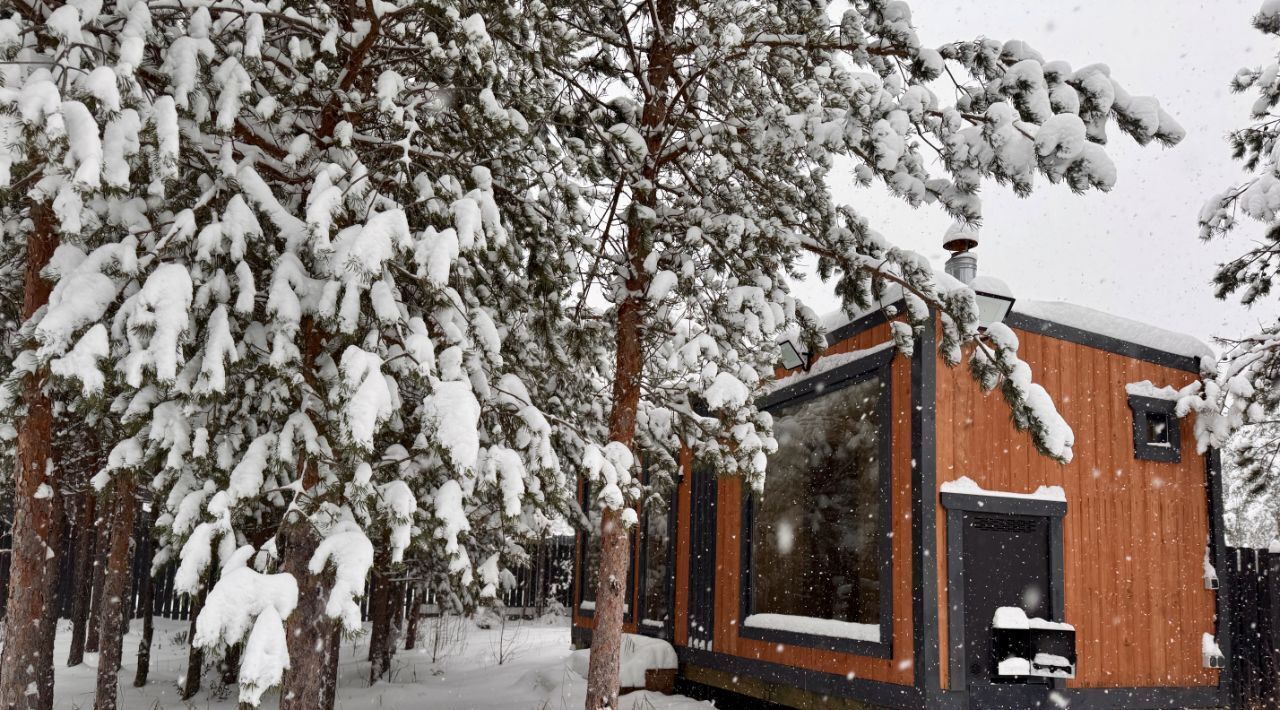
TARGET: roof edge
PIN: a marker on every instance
(1106, 343)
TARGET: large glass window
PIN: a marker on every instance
(816, 530)
(657, 571)
(590, 570)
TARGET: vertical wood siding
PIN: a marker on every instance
(1135, 532)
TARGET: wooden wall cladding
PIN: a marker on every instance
(1136, 531)
(898, 669)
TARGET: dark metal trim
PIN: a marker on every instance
(874, 366)
(901, 696)
(1148, 698)
(827, 382)
(1217, 557)
(959, 503)
(924, 519)
(1106, 343)
(1142, 450)
(875, 692)
(1007, 505)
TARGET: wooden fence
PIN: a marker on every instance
(545, 581)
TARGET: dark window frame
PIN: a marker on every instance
(874, 366)
(667, 630)
(1144, 450)
(579, 583)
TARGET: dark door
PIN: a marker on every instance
(702, 558)
(1005, 563)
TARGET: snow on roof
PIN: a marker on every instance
(1059, 312)
(992, 285)
(968, 486)
(834, 320)
(1113, 326)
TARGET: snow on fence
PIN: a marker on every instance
(537, 587)
(1253, 579)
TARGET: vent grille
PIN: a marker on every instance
(998, 523)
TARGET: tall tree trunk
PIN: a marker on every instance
(309, 630)
(52, 606)
(146, 605)
(313, 638)
(115, 592)
(101, 545)
(229, 666)
(195, 654)
(615, 553)
(331, 678)
(380, 614)
(397, 619)
(413, 616)
(82, 576)
(21, 666)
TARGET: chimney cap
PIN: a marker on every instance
(960, 237)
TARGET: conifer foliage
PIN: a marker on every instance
(277, 242)
(1243, 390)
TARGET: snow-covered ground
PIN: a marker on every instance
(535, 674)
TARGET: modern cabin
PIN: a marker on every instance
(911, 549)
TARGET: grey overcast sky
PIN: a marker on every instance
(1133, 251)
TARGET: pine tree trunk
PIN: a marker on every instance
(21, 665)
(313, 638)
(195, 654)
(115, 592)
(100, 547)
(397, 620)
(49, 624)
(615, 553)
(414, 617)
(146, 606)
(309, 630)
(380, 626)
(606, 637)
(229, 666)
(82, 576)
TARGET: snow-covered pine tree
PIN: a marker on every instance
(1251, 477)
(705, 134)
(71, 124)
(1243, 390)
(292, 301)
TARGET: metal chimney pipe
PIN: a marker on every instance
(963, 266)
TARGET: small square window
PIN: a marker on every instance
(1155, 430)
